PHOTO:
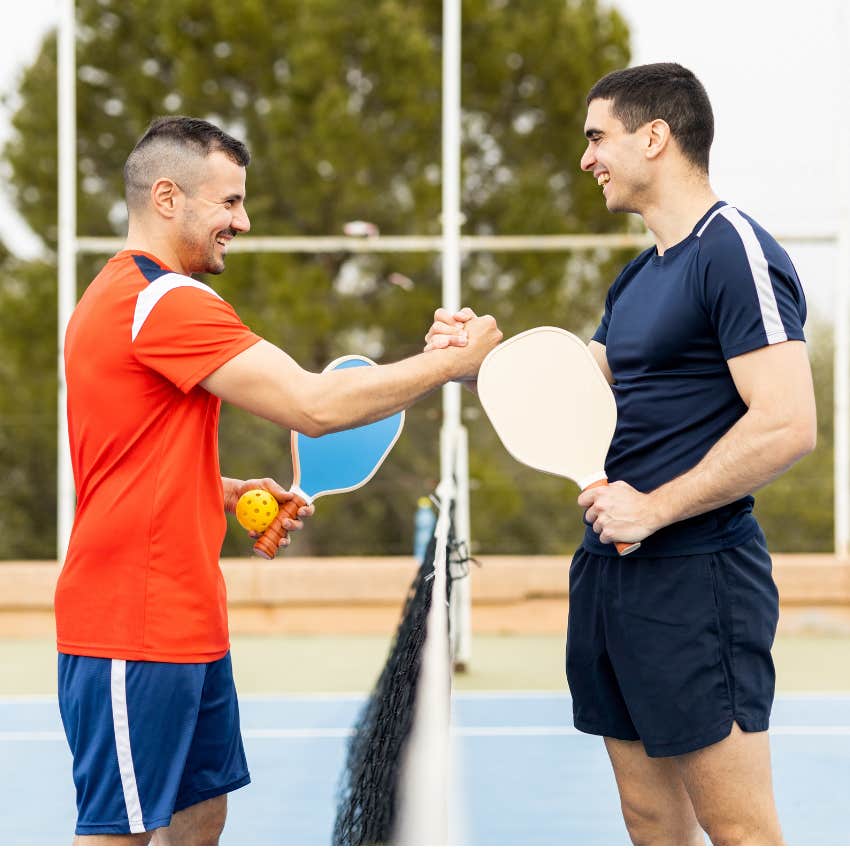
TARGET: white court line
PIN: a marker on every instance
(457, 731)
(457, 694)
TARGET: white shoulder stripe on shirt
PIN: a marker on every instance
(150, 295)
(773, 327)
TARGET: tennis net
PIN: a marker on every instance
(395, 784)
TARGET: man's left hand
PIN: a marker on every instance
(619, 513)
(234, 488)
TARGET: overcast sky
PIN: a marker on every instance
(771, 71)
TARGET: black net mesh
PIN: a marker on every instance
(368, 792)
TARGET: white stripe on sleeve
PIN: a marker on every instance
(148, 297)
(121, 723)
(773, 327)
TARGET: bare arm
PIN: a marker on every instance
(267, 382)
(597, 349)
(778, 429)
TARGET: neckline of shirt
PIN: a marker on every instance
(673, 250)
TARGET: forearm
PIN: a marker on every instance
(350, 397)
(751, 454)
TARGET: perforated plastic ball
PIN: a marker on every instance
(256, 509)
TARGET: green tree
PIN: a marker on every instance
(340, 105)
(28, 408)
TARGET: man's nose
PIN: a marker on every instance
(241, 222)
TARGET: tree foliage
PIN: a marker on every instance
(340, 104)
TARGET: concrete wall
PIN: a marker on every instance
(511, 595)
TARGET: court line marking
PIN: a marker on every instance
(457, 731)
(345, 696)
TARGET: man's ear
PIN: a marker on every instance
(658, 137)
(165, 197)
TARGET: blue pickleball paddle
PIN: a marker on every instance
(333, 463)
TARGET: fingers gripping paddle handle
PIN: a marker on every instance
(622, 548)
(266, 546)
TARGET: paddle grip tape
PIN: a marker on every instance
(267, 544)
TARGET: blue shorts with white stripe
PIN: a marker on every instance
(148, 739)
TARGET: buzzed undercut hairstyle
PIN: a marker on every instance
(175, 147)
(663, 90)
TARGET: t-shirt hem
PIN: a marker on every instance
(134, 654)
(706, 547)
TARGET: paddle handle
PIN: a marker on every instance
(268, 542)
(622, 548)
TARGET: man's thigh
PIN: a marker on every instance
(199, 825)
(731, 787)
(655, 803)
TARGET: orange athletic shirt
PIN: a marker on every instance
(141, 580)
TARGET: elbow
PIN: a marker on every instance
(318, 418)
(313, 424)
(802, 439)
(808, 440)
(313, 411)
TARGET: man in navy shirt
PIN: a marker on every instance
(668, 649)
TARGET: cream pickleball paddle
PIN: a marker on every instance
(551, 406)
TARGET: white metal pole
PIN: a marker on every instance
(841, 362)
(461, 619)
(67, 259)
(454, 456)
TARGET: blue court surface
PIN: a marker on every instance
(524, 776)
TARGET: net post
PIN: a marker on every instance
(841, 359)
(453, 461)
(67, 258)
(461, 600)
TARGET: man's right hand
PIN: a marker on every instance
(448, 328)
(467, 339)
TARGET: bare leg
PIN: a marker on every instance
(655, 804)
(200, 824)
(731, 787)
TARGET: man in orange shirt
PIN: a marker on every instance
(145, 683)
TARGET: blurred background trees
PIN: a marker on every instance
(340, 105)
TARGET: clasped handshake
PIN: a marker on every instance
(269, 512)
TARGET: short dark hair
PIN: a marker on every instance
(171, 144)
(663, 90)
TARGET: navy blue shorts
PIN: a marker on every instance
(148, 739)
(670, 651)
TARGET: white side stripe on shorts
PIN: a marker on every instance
(773, 327)
(121, 723)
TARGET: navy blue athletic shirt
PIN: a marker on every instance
(671, 322)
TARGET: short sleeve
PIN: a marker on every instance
(752, 294)
(185, 331)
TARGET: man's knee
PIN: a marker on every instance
(650, 822)
(725, 831)
(643, 822)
